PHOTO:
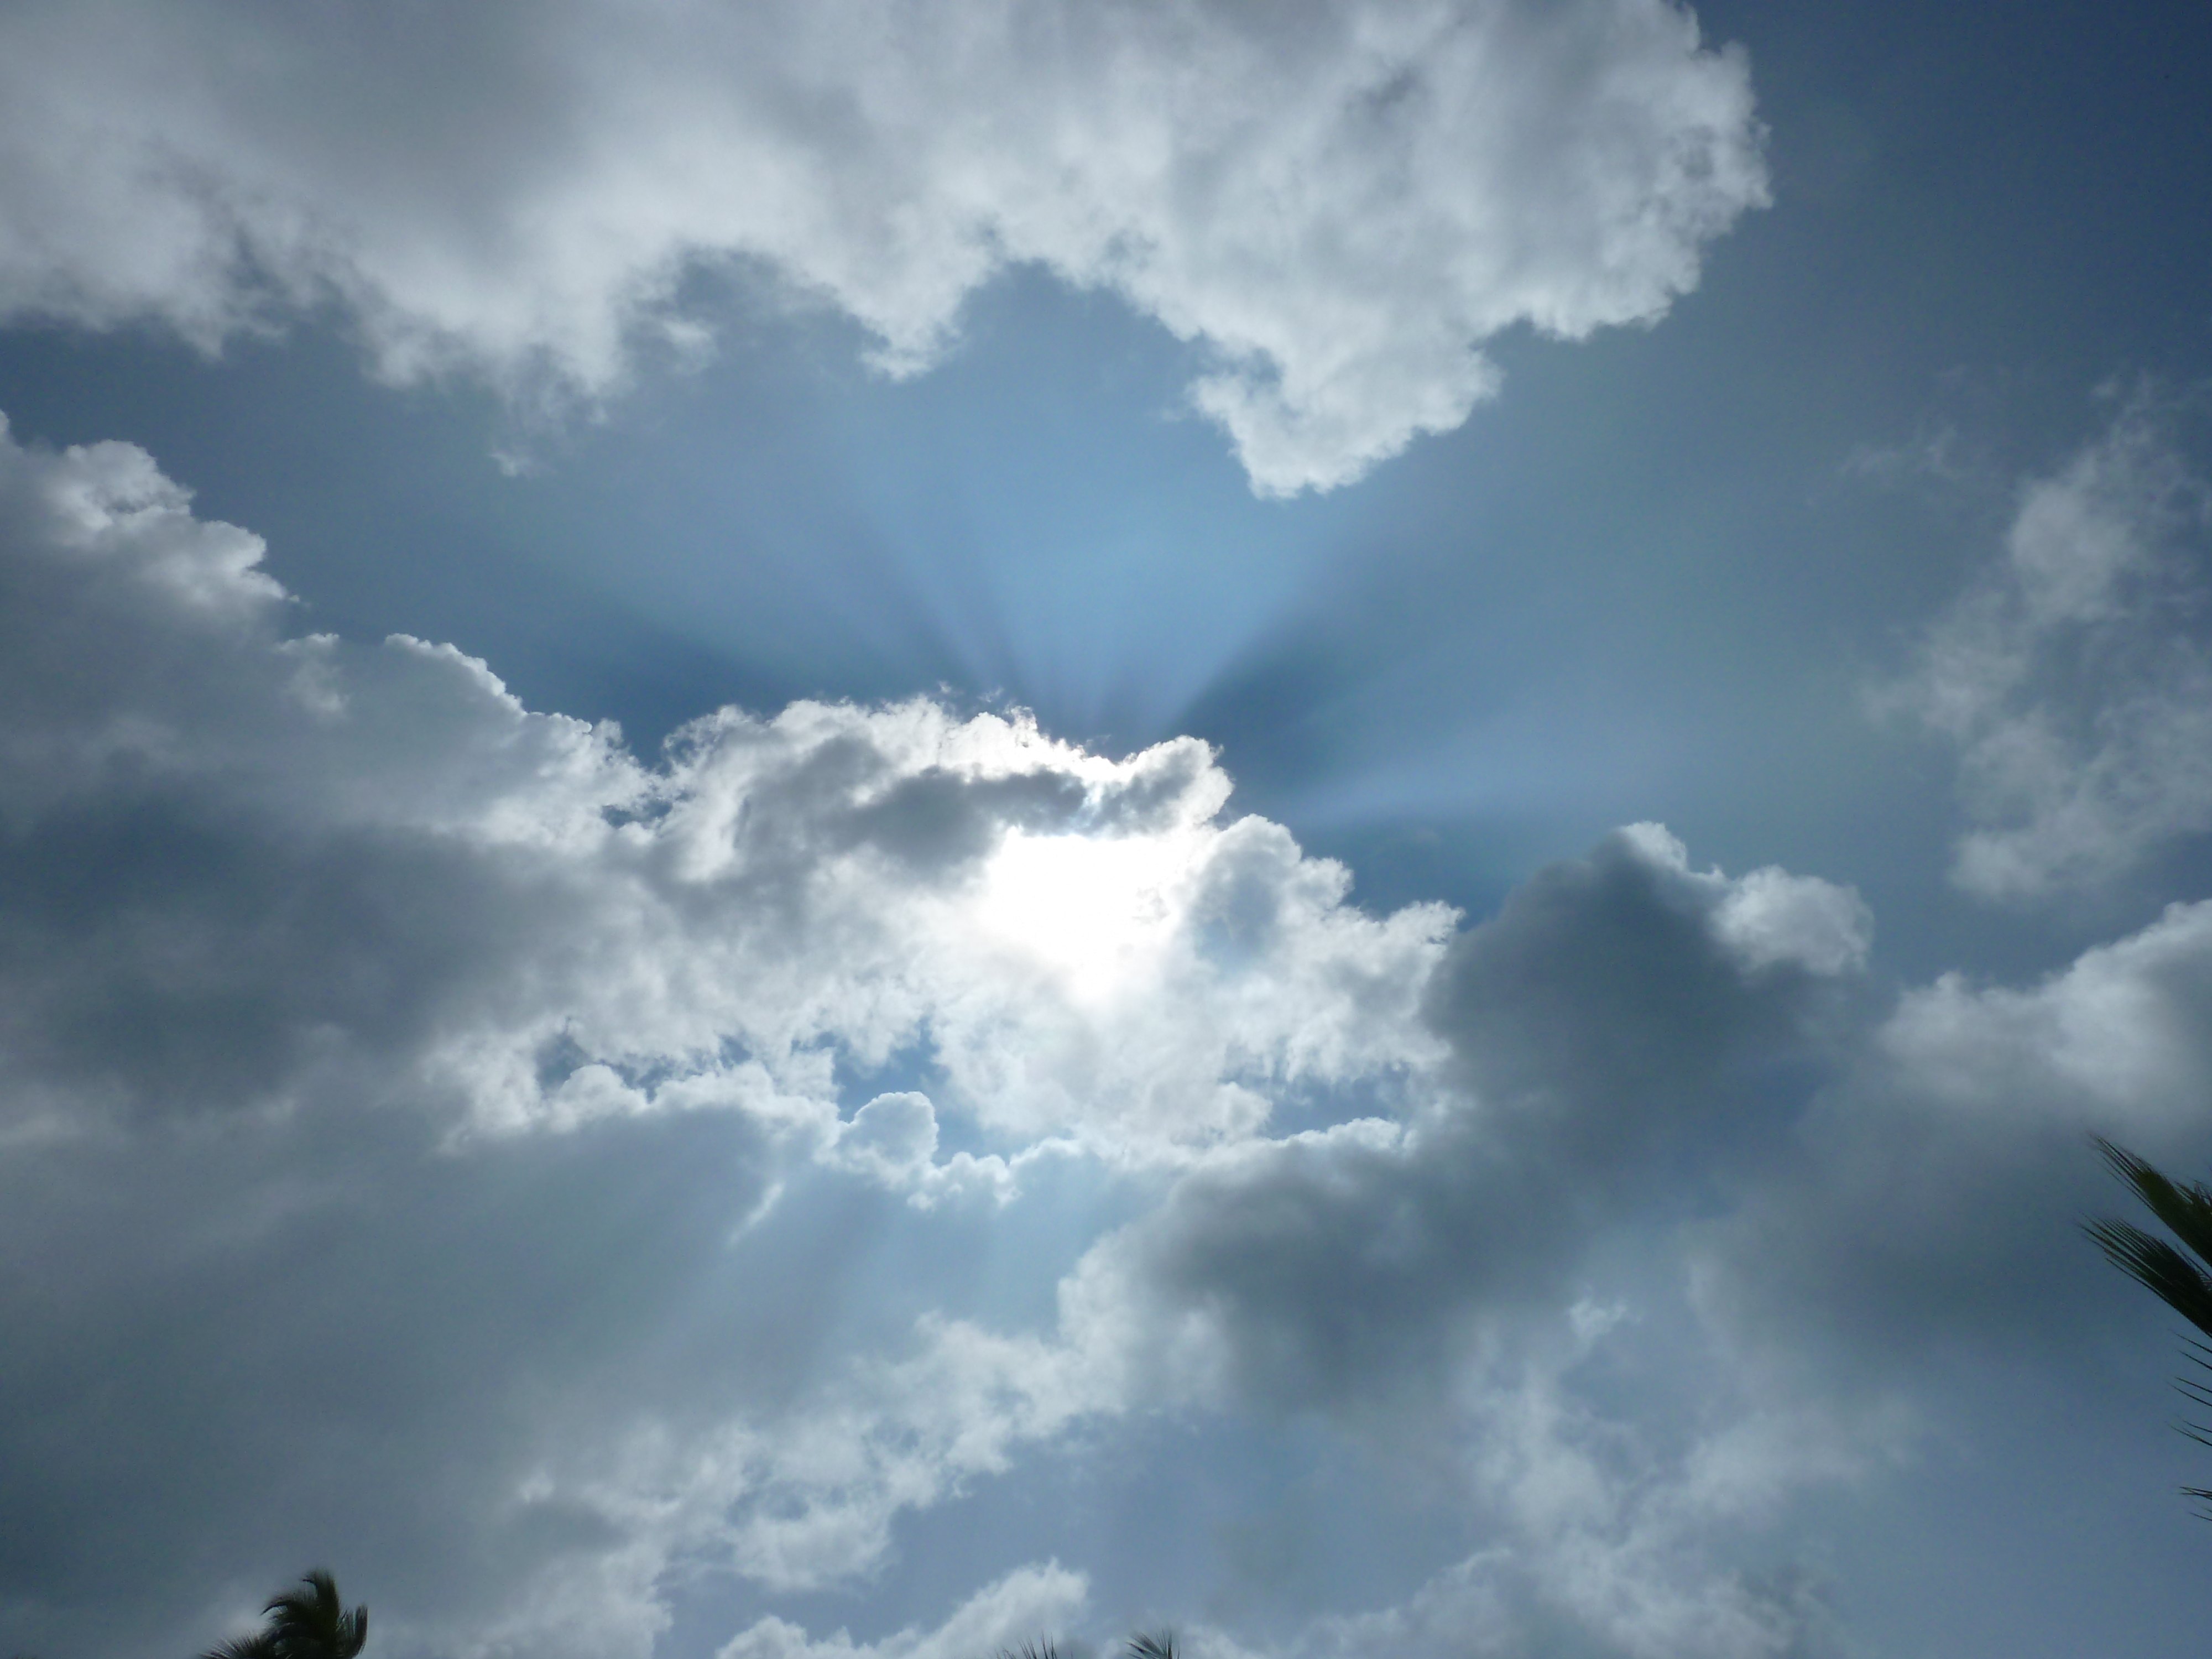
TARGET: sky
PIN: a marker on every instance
(855, 831)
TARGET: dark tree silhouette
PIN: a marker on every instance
(306, 1623)
(2183, 1280)
(1143, 1645)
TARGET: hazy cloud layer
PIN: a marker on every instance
(537, 1179)
(2074, 676)
(1336, 204)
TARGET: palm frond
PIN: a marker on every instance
(1030, 1651)
(308, 1621)
(2158, 1267)
(1147, 1645)
(2183, 1284)
(2186, 1206)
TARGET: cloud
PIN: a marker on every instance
(1930, 1200)
(1622, 1013)
(2073, 677)
(1628, 977)
(892, 1140)
(433, 1128)
(1606, 1533)
(1613, 1549)
(385, 861)
(535, 1178)
(1336, 204)
(1027, 1605)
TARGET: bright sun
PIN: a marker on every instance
(1094, 909)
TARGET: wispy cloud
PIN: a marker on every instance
(2073, 678)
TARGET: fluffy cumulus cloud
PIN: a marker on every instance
(363, 844)
(542, 1181)
(2074, 677)
(1335, 203)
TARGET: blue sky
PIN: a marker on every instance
(849, 832)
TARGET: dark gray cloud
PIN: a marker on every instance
(1619, 1012)
(1930, 1202)
(1622, 1000)
(233, 1345)
(166, 955)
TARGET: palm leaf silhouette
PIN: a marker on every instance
(309, 1622)
(2182, 1281)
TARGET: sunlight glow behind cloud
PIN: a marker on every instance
(1098, 911)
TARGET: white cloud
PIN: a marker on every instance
(1611, 1020)
(1028, 1605)
(1401, 1264)
(892, 1140)
(1771, 918)
(2117, 1034)
(1336, 204)
(2074, 677)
